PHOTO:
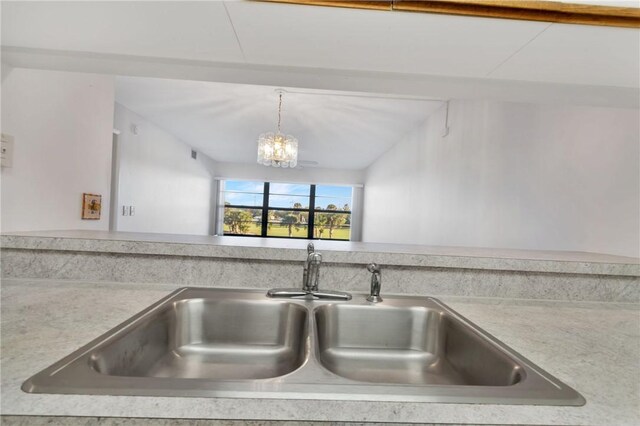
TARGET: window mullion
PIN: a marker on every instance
(265, 209)
(312, 208)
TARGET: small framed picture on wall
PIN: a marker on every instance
(91, 206)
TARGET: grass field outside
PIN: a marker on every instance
(277, 230)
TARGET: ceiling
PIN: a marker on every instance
(224, 120)
(268, 34)
(335, 51)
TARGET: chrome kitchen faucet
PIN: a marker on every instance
(310, 281)
(376, 283)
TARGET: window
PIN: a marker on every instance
(287, 210)
(332, 212)
(243, 208)
(288, 213)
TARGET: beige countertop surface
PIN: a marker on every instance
(594, 347)
(333, 251)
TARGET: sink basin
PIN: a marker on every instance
(414, 345)
(200, 338)
(239, 343)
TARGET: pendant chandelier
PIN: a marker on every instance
(276, 149)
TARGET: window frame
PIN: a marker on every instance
(265, 208)
(544, 11)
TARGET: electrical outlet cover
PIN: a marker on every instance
(6, 151)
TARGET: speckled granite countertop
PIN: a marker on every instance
(593, 347)
(333, 251)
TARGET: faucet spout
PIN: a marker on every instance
(376, 283)
(305, 269)
(312, 278)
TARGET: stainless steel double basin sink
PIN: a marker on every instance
(232, 343)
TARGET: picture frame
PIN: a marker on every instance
(91, 206)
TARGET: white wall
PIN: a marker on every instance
(512, 175)
(273, 174)
(62, 123)
(172, 193)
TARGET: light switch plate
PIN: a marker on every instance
(132, 210)
(6, 151)
(125, 210)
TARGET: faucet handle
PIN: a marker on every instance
(310, 248)
(373, 268)
(376, 283)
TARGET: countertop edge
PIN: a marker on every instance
(291, 254)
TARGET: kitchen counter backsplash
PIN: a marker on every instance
(266, 263)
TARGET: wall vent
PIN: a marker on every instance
(194, 154)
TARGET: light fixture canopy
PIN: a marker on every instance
(277, 149)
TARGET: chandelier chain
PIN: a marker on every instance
(278, 150)
(279, 111)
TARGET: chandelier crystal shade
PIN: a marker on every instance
(277, 149)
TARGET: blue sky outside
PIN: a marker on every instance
(246, 193)
(243, 186)
(287, 200)
(243, 193)
(333, 191)
(243, 199)
(336, 195)
(289, 189)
